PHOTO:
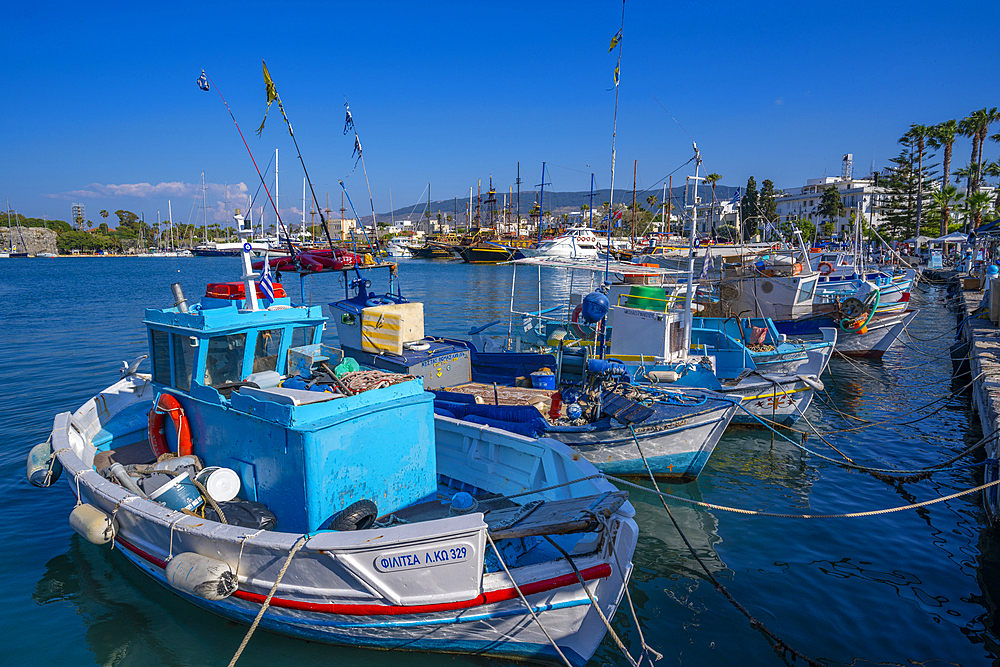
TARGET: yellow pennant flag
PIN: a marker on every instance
(614, 41)
(272, 95)
(616, 77)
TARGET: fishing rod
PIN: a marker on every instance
(272, 95)
(204, 86)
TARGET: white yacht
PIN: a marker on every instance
(576, 242)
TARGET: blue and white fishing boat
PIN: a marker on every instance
(674, 434)
(350, 516)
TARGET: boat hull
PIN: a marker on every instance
(334, 591)
(881, 332)
(672, 449)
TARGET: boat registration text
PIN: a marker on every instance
(396, 561)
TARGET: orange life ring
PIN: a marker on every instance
(829, 268)
(797, 269)
(167, 404)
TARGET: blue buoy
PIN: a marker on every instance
(573, 411)
(992, 270)
(463, 503)
(594, 307)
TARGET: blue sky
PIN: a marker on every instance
(101, 105)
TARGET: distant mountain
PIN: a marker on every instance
(556, 202)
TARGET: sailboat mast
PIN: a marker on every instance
(277, 202)
(519, 198)
(541, 204)
(204, 205)
(591, 209)
(670, 202)
(635, 173)
(614, 134)
(688, 301)
(663, 207)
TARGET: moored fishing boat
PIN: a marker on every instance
(473, 525)
(676, 434)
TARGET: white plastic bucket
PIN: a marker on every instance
(223, 484)
(178, 494)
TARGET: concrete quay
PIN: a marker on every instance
(981, 352)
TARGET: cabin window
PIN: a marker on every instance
(265, 358)
(161, 357)
(224, 362)
(806, 291)
(185, 349)
(302, 336)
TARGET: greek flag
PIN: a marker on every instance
(736, 198)
(706, 267)
(203, 81)
(349, 123)
(266, 285)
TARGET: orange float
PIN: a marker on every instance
(168, 404)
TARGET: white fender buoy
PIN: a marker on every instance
(92, 524)
(663, 376)
(199, 575)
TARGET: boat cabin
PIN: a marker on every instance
(305, 454)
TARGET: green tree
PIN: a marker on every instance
(128, 223)
(748, 208)
(918, 136)
(943, 200)
(992, 169)
(767, 207)
(943, 135)
(976, 204)
(976, 127)
(804, 225)
(905, 184)
(830, 206)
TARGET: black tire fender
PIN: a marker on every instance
(357, 516)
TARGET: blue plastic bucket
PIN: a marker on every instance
(540, 380)
(180, 493)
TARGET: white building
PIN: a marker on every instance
(804, 202)
(340, 228)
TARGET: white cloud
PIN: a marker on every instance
(172, 189)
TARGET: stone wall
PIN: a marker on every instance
(36, 239)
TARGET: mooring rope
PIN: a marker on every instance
(267, 601)
(525, 601)
(593, 602)
(708, 573)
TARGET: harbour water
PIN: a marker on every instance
(910, 587)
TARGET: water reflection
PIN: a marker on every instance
(132, 620)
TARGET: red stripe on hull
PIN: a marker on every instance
(502, 595)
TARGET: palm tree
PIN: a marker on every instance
(712, 179)
(943, 199)
(919, 134)
(976, 204)
(943, 135)
(976, 127)
(992, 169)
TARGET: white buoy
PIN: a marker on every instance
(199, 575)
(92, 524)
